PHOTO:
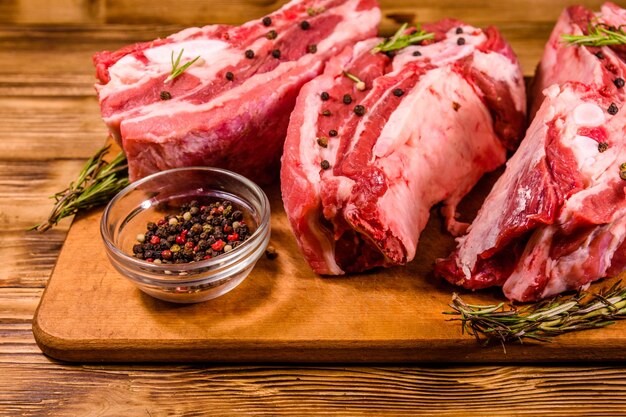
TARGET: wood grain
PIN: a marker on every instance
(46, 69)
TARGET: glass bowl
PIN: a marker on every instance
(163, 193)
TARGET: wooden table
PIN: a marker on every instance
(49, 124)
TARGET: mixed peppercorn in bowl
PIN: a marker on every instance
(187, 234)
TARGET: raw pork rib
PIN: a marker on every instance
(231, 107)
(589, 65)
(358, 185)
(556, 219)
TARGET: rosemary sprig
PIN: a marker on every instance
(96, 184)
(541, 321)
(360, 85)
(176, 70)
(401, 40)
(599, 34)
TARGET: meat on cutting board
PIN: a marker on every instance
(230, 108)
(555, 220)
(362, 168)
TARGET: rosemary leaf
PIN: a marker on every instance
(176, 70)
(96, 184)
(541, 321)
(598, 35)
(401, 40)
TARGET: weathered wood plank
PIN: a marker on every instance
(46, 128)
(43, 12)
(156, 390)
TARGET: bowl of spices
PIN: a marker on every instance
(187, 234)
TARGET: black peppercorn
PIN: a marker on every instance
(417, 53)
(459, 30)
(230, 76)
(165, 95)
(599, 55)
(398, 92)
(271, 34)
(619, 82)
(267, 20)
(325, 164)
(612, 109)
(602, 146)
(347, 99)
(249, 54)
(304, 25)
(359, 110)
(276, 53)
(460, 41)
(332, 133)
(324, 96)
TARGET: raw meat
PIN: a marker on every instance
(555, 220)
(598, 66)
(231, 107)
(436, 118)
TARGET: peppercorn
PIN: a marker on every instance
(460, 41)
(311, 48)
(324, 96)
(599, 55)
(347, 99)
(270, 253)
(271, 34)
(325, 164)
(322, 141)
(230, 76)
(622, 171)
(417, 53)
(165, 95)
(359, 110)
(459, 30)
(249, 53)
(619, 82)
(398, 92)
(602, 146)
(326, 113)
(304, 25)
(612, 109)
(267, 20)
(276, 53)
(332, 133)
(151, 226)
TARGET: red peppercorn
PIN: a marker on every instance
(180, 240)
(213, 211)
(207, 257)
(228, 229)
(218, 246)
(149, 260)
(184, 233)
(161, 222)
(189, 245)
(220, 209)
(233, 237)
(155, 240)
(166, 254)
(203, 208)
(196, 248)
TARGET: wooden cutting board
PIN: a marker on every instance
(283, 312)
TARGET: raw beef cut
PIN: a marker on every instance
(555, 220)
(230, 108)
(598, 66)
(375, 142)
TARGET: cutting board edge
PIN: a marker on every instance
(455, 351)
